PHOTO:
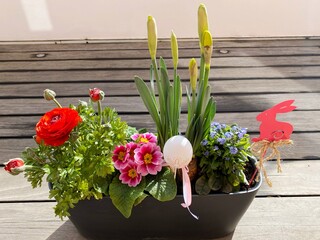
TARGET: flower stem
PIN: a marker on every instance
(57, 103)
(206, 75)
(99, 111)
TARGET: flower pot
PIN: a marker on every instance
(218, 214)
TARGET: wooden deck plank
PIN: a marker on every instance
(229, 62)
(297, 179)
(298, 72)
(117, 88)
(142, 44)
(225, 103)
(281, 218)
(268, 219)
(143, 53)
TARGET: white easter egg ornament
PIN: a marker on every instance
(177, 152)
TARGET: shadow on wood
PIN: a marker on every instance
(66, 231)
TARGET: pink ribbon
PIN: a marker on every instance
(187, 194)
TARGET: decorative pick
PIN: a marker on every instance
(273, 134)
(177, 153)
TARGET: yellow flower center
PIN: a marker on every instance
(147, 158)
(132, 173)
(144, 140)
(121, 156)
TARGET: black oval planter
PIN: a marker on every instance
(218, 214)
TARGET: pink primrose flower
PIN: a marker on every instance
(149, 159)
(144, 138)
(129, 175)
(131, 146)
(119, 157)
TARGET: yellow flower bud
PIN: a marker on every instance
(152, 36)
(207, 47)
(202, 22)
(193, 71)
(174, 50)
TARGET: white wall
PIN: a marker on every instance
(118, 19)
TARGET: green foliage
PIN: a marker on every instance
(161, 186)
(82, 167)
(124, 197)
(223, 154)
(165, 111)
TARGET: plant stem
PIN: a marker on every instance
(57, 103)
(155, 69)
(201, 68)
(206, 75)
(99, 112)
(160, 129)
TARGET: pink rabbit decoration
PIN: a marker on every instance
(271, 129)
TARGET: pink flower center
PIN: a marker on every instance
(55, 119)
(147, 158)
(132, 173)
(121, 155)
(131, 153)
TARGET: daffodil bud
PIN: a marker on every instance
(207, 47)
(174, 50)
(202, 22)
(49, 94)
(193, 71)
(152, 36)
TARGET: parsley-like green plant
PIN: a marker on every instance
(223, 154)
(82, 167)
(79, 151)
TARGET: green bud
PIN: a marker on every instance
(152, 36)
(174, 50)
(193, 71)
(49, 94)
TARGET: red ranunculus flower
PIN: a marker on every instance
(96, 94)
(55, 126)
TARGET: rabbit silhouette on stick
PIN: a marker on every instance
(270, 128)
(273, 134)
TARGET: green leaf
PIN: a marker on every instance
(124, 197)
(227, 187)
(170, 113)
(215, 182)
(140, 199)
(152, 80)
(202, 186)
(164, 77)
(177, 103)
(148, 100)
(162, 186)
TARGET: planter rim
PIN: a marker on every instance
(252, 189)
(255, 188)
